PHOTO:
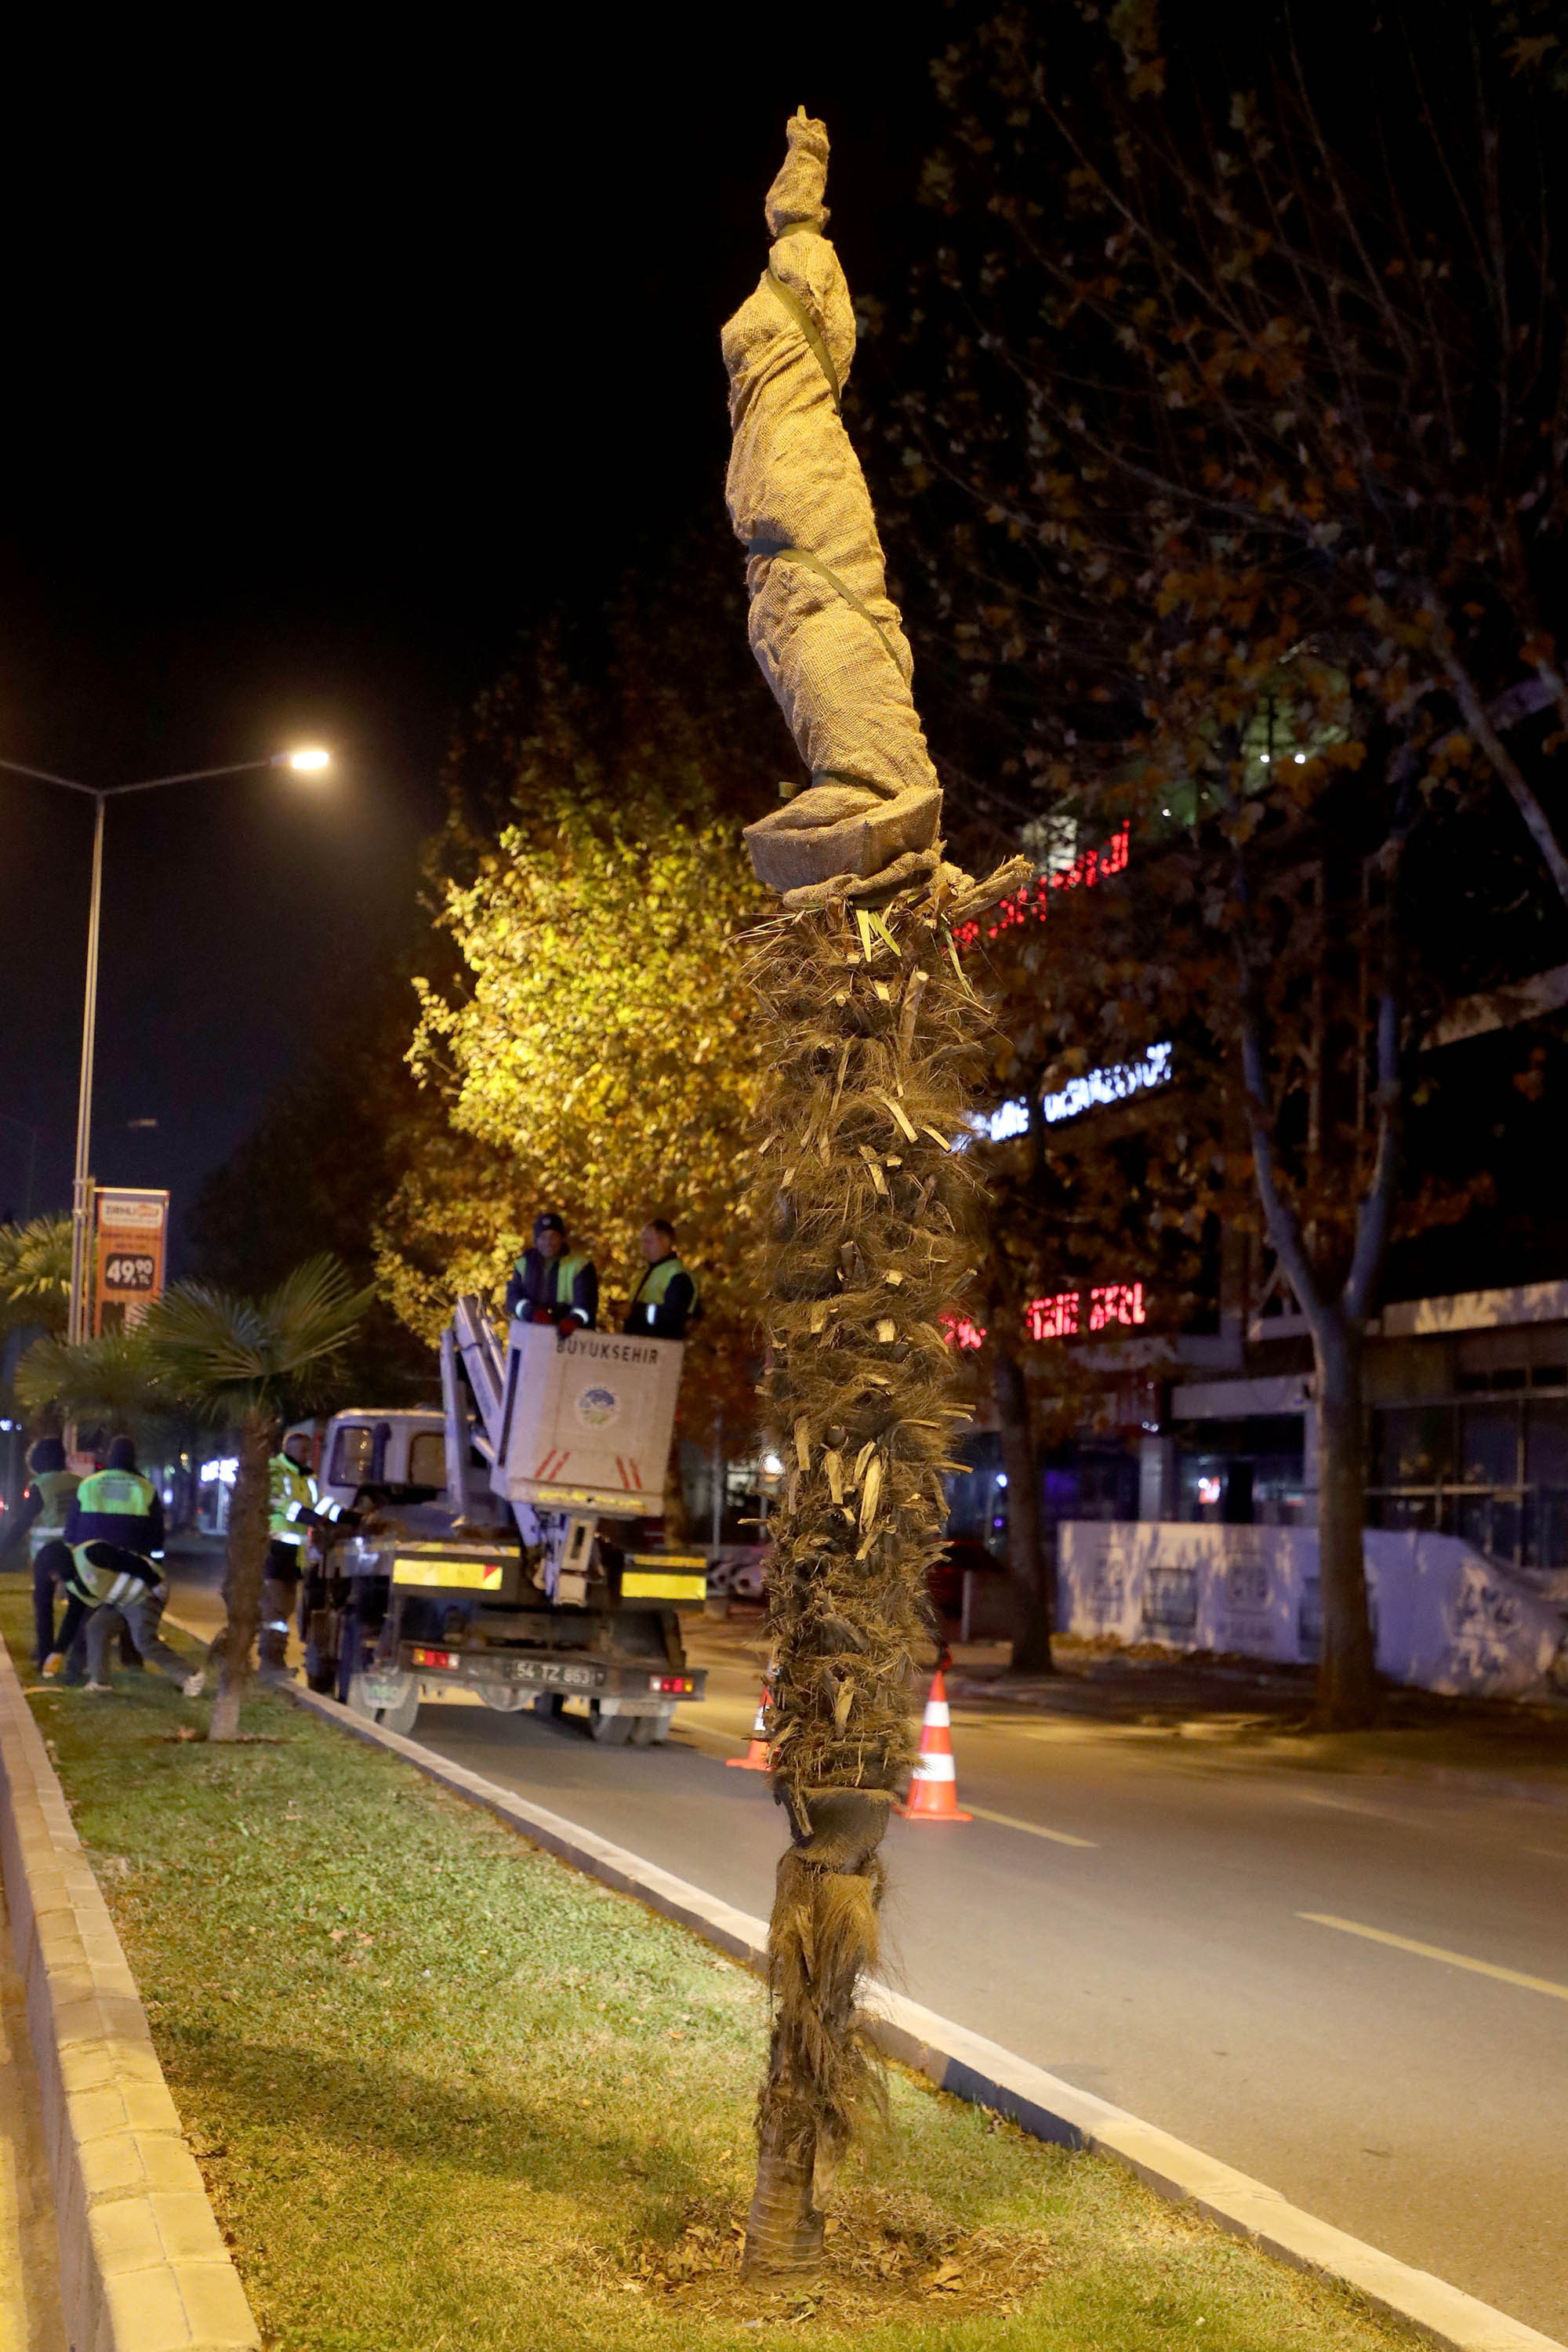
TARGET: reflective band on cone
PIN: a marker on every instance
(758, 1756)
(934, 1792)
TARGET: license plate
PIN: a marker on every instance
(553, 1674)
(380, 1694)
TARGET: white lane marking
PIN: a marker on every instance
(1034, 1829)
(1344, 1805)
(708, 1731)
(1435, 1952)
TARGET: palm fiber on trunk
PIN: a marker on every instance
(874, 1037)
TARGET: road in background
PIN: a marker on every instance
(1352, 1986)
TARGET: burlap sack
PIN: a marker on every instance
(822, 625)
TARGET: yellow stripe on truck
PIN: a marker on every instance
(472, 1575)
(665, 1584)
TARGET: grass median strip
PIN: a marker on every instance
(447, 2092)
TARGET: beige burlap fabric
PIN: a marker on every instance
(822, 625)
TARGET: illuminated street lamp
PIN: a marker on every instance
(308, 758)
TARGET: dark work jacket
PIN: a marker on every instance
(533, 1292)
(664, 1318)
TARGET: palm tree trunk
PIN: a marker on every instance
(870, 1054)
(246, 1568)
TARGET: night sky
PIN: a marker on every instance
(327, 373)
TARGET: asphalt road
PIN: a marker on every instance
(1351, 1987)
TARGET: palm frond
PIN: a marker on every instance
(314, 1310)
(226, 1354)
(35, 1272)
(116, 1376)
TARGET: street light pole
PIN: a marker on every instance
(307, 760)
(82, 1182)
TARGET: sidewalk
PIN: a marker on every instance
(30, 2317)
(1232, 1711)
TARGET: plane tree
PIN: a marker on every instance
(1234, 449)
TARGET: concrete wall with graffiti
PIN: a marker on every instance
(1446, 1617)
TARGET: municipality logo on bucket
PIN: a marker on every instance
(598, 1406)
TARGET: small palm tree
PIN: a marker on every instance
(36, 1274)
(113, 1379)
(242, 1362)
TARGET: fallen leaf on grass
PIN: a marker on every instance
(950, 2275)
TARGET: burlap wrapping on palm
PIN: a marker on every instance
(874, 1040)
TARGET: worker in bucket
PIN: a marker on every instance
(665, 1301)
(41, 1518)
(553, 1284)
(115, 1535)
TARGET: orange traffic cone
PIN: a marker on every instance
(758, 1756)
(933, 1791)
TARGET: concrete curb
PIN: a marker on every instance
(974, 2068)
(143, 2267)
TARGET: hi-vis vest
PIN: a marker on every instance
(654, 1287)
(109, 1587)
(58, 1489)
(110, 1495)
(565, 1273)
(291, 1490)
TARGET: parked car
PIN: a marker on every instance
(945, 1580)
(736, 1571)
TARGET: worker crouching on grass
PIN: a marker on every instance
(114, 1533)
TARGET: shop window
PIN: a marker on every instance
(1415, 1446)
(1546, 1539)
(1419, 1511)
(1546, 1445)
(1488, 1446)
(1491, 1522)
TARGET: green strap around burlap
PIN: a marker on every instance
(814, 336)
(773, 547)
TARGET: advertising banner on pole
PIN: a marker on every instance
(128, 1256)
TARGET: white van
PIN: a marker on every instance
(382, 1449)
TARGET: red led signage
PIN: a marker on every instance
(1060, 1317)
(1052, 1319)
(1115, 1302)
(1032, 901)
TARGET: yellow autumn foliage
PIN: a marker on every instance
(596, 1049)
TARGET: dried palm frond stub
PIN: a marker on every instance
(875, 1038)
